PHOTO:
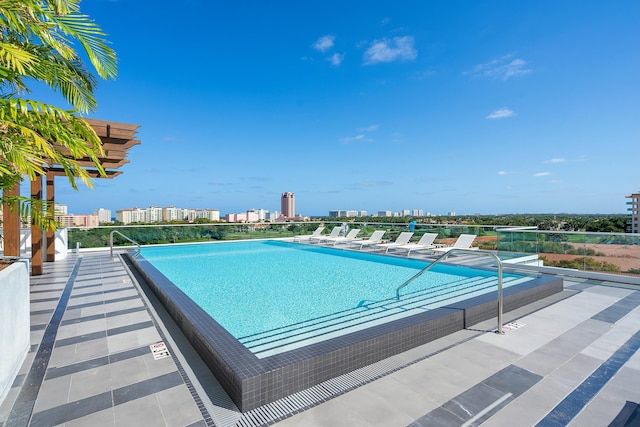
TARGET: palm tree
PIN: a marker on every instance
(36, 39)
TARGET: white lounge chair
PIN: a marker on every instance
(351, 236)
(425, 242)
(464, 241)
(402, 239)
(375, 238)
(334, 233)
(316, 233)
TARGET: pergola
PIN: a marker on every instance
(117, 139)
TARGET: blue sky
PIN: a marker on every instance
(466, 106)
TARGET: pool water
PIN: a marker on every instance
(254, 286)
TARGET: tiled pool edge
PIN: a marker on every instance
(253, 382)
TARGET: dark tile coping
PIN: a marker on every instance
(251, 382)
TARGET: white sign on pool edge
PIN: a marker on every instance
(159, 350)
(512, 326)
(508, 327)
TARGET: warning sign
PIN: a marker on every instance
(512, 326)
(508, 327)
(159, 350)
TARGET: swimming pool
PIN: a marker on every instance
(267, 329)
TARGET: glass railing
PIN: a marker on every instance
(617, 253)
(98, 237)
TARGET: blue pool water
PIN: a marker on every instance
(253, 286)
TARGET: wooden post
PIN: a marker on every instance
(51, 235)
(11, 224)
(36, 232)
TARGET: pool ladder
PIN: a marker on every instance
(136, 252)
(469, 252)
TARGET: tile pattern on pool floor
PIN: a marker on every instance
(101, 371)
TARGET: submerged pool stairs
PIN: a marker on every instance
(371, 313)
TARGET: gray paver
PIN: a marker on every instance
(560, 342)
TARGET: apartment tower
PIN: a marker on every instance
(288, 205)
(633, 225)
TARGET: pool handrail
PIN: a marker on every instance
(136, 253)
(470, 252)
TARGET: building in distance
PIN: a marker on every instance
(288, 205)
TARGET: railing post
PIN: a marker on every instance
(470, 252)
(500, 331)
(111, 242)
(111, 245)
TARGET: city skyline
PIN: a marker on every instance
(492, 107)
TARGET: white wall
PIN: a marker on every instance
(61, 242)
(14, 322)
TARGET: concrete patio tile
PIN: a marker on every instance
(576, 370)
(90, 382)
(607, 404)
(609, 291)
(91, 349)
(144, 411)
(90, 326)
(133, 339)
(128, 372)
(53, 393)
(485, 354)
(438, 381)
(634, 361)
(531, 406)
(121, 305)
(93, 310)
(605, 346)
(35, 337)
(160, 366)
(104, 418)
(61, 356)
(405, 400)
(355, 410)
(127, 319)
(178, 407)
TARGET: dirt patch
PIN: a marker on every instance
(625, 257)
(622, 256)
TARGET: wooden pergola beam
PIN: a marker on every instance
(106, 163)
(36, 232)
(116, 139)
(11, 223)
(92, 173)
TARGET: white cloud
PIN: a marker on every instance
(368, 128)
(336, 59)
(542, 174)
(502, 113)
(505, 173)
(502, 68)
(324, 43)
(353, 139)
(390, 50)
(556, 160)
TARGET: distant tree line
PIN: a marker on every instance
(558, 222)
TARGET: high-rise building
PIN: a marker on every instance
(633, 226)
(59, 209)
(288, 205)
(104, 215)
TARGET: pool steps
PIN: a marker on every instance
(364, 316)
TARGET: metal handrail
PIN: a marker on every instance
(129, 239)
(470, 252)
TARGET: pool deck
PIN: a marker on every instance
(571, 359)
